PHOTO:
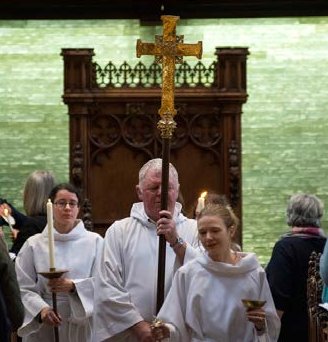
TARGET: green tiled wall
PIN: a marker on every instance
(285, 131)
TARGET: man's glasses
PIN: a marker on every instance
(63, 204)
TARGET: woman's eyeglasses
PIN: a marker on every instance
(63, 204)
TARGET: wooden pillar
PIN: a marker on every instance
(78, 71)
(231, 81)
(231, 71)
(79, 78)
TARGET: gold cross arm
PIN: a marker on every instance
(153, 49)
(169, 50)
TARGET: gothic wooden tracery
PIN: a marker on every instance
(113, 129)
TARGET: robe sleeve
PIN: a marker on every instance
(27, 279)
(82, 300)
(173, 311)
(192, 252)
(115, 312)
(272, 318)
(193, 245)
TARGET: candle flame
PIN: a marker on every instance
(203, 194)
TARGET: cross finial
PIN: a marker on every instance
(169, 50)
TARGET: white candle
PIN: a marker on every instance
(50, 221)
(201, 202)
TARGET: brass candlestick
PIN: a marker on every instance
(53, 274)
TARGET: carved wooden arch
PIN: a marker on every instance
(113, 131)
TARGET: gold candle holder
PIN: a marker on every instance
(250, 304)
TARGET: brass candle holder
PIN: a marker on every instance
(250, 304)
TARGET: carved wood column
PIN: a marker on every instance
(231, 80)
(78, 82)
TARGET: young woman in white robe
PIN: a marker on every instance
(205, 300)
(76, 250)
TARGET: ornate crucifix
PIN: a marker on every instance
(168, 50)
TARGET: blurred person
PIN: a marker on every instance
(17, 217)
(36, 192)
(11, 306)
(287, 270)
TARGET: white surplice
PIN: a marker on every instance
(205, 301)
(76, 252)
(126, 283)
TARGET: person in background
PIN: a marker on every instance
(12, 211)
(287, 270)
(77, 251)
(126, 281)
(205, 302)
(36, 192)
(214, 198)
(324, 273)
(11, 306)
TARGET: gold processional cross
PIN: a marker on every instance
(169, 50)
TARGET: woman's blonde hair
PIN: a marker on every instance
(225, 212)
(36, 191)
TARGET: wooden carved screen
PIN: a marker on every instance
(113, 115)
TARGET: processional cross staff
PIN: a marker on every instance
(168, 50)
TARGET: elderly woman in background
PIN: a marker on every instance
(205, 302)
(76, 250)
(36, 192)
(288, 268)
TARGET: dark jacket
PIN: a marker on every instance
(11, 306)
(32, 225)
(287, 276)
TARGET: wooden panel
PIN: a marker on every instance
(113, 132)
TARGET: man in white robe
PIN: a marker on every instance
(126, 283)
(75, 252)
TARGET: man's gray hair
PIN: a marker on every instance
(304, 210)
(156, 164)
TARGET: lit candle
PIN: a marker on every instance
(201, 202)
(51, 235)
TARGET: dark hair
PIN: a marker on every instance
(304, 210)
(64, 186)
(215, 198)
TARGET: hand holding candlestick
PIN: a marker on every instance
(53, 320)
